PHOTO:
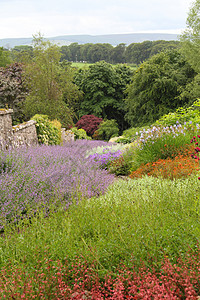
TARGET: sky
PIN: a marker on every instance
(25, 18)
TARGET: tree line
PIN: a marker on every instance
(40, 81)
(135, 53)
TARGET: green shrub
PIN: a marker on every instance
(107, 129)
(123, 164)
(80, 134)
(132, 133)
(182, 115)
(161, 143)
(124, 140)
(47, 132)
(58, 125)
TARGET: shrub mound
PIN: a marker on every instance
(48, 132)
(89, 123)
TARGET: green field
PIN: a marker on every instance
(85, 65)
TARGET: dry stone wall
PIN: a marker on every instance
(25, 134)
(67, 136)
(15, 136)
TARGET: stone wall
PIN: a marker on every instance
(6, 132)
(15, 136)
(25, 134)
(67, 136)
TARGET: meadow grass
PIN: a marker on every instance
(140, 220)
(81, 65)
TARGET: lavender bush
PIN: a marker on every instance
(105, 154)
(33, 179)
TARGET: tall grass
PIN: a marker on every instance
(136, 219)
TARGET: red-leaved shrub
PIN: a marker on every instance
(89, 123)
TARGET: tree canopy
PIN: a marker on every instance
(157, 87)
(13, 89)
(104, 86)
(45, 90)
(191, 36)
(4, 57)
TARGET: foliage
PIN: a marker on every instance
(104, 88)
(116, 158)
(122, 165)
(196, 154)
(70, 92)
(107, 129)
(22, 54)
(118, 54)
(44, 178)
(161, 143)
(134, 53)
(139, 52)
(13, 90)
(140, 220)
(156, 88)
(89, 123)
(190, 37)
(105, 159)
(182, 115)
(48, 132)
(124, 140)
(80, 134)
(45, 90)
(105, 154)
(80, 280)
(58, 125)
(4, 57)
(132, 133)
(180, 166)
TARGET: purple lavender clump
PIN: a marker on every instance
(39, 178)
(103, 160)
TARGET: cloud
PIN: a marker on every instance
(22, 18)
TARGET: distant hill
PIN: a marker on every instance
(113, 39)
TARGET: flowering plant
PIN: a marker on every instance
(197, 149)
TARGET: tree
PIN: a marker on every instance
(42, 78)
(13, 90)
(157, 88)
(66, 54)
(71, 95)
(118, 53)
(138, 52)
(84, 50)
(190, 47)
(22, 54)
(104, 86)
(4, 57)
(98, 52)
(191, 36)
(74, 49)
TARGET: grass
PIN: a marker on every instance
(141, 218)
(80, 65)
(84, 65)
